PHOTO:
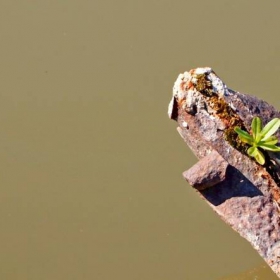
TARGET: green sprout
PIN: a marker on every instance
(260, 138)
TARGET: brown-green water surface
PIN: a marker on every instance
(90, 178)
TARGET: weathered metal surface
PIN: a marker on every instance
(208, 172)
(244, 193)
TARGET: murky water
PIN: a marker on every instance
(91, 184)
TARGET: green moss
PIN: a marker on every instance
(223, 111)
(203, 84)
(232, 137)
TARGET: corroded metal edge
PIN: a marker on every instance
(242, 192)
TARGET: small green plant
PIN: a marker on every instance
(261, 138)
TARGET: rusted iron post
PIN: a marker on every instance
(242, 192)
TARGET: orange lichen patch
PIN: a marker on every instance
(181, 102)
(190, 85)
(192, 71)
(264, 176)
(276, 195)
(183, 85)
(186, 85)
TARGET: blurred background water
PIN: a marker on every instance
(91, 184)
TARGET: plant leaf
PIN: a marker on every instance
(270, 129)
(244, 136)
(260, 157)
(252, 151)
(272, 140)
(273, 137)
(256, 127)
(268, 147)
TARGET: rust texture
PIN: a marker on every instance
(208, 172)
(243, 193)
